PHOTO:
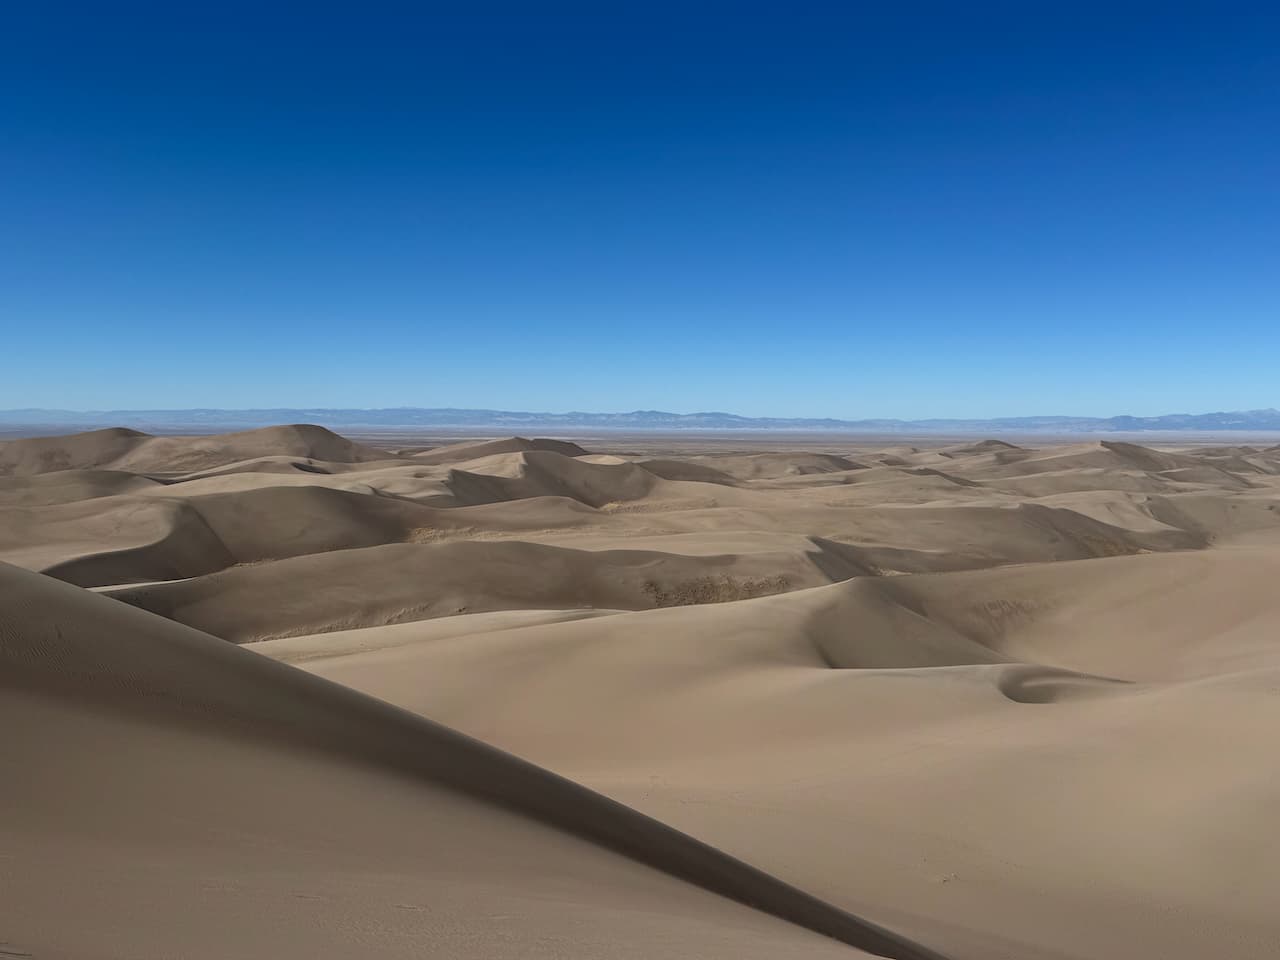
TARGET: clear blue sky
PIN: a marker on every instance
(829, 209)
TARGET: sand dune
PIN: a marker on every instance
(458, 452)
(763, 466)
(274, 507)
(685, 470)
(69, 486)
(399, 582)
(543, 473)
(123, 539)
(121, 449)
(1106, 454)
(810, 730)
(164, 537)
(75, 452)
(256, 764)
(1014, 703)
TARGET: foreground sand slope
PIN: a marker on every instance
(171, 795)
(1011, 809)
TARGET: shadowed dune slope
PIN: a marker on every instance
(400, 582)
(117, 540)
(136, 539)
(113, 540)
(69, 486)
(176, 795)
(77, 451)
(121, 449)
(1107, 454)
(457, 452)
(685, 470)
(763, 466)
(541, 473)
(1048, 814)
(1155, 617)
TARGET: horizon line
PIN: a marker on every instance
(638, 412)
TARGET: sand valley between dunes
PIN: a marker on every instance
(284, 694)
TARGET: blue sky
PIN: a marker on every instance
(800, 209)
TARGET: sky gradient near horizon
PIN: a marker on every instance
(805, 209)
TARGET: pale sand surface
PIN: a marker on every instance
(1006, 702)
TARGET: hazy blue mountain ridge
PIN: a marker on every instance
(521, 421)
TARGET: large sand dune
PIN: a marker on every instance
(1009, 703)
(170, 794)
(122, 449)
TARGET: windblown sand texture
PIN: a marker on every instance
(280, 694)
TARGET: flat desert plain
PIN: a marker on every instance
(284, 694)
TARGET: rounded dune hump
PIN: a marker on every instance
(1210, 474)
(1144, 458)
(69, 486)
(188, 454)
(863, 625)
(122, 449)
(127, 539)
(541, 473)
(112, 540)
(949, 477)
(1215, 519)
(989, 446)
(768, 466)
(1077, 479)
(275, 523)
(472, 450)
(302, 439)
(273, 463)
(687, 471)
(76, 451)
(1102, 454)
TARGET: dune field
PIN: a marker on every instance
(283, 694)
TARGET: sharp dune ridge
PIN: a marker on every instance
(538, 700)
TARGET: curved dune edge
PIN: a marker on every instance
(64, 642)
(415, 581)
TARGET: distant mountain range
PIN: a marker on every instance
(509, 421)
